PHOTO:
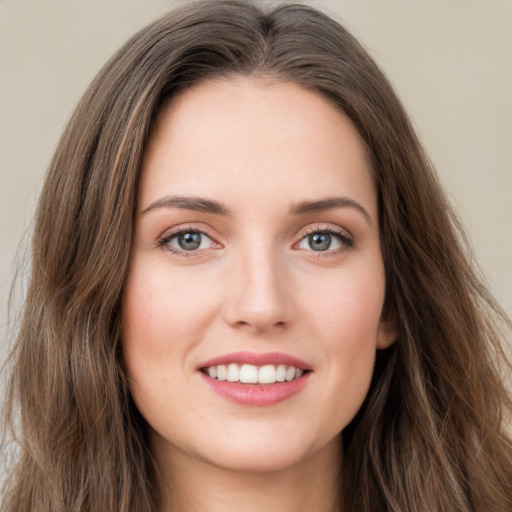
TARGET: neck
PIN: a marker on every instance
(189, 486)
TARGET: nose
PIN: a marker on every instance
(260, 296)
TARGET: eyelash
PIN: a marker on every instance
(343, 237)
(164, 241)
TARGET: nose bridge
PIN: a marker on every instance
(259, 295)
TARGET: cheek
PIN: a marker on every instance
(162, 313)
(347, 309)
(161, 325)
(345, 315)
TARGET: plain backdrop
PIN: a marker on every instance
(450, 61)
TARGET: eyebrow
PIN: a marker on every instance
(200, 204)
(328, 204)
(197, 204)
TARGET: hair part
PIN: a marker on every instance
(430, 435)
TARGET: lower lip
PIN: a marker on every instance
(256, 395)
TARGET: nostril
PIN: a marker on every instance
(258, 326)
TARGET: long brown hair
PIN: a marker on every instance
(431, 433)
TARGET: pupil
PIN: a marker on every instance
(320, 241)
(189, 241)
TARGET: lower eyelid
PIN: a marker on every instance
(205, 239)
(342, 236)
(345, 240)
(166, 238)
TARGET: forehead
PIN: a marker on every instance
(248, 136)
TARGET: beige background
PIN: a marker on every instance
(451, 62)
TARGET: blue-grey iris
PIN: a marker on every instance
(319, 241)
(189, 241)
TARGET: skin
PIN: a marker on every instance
(255, 284)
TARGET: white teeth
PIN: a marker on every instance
(233, 373)
(290, 373)
(267, 374)
(281, 373)
(251, 374)
(222, 372)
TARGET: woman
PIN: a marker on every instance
(248, 290)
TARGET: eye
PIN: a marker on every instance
(325, 240)
(189, 240)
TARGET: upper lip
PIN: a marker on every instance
(256, 359)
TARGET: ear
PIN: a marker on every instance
(387, 333)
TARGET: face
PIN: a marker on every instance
(256, 283)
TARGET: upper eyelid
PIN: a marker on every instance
(330, 228)
(164, 242)
(212, 234)
(343, 234)
(183, 228)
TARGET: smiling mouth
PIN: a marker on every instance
(252, 374)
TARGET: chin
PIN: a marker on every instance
(259, 462)
(268, 454)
